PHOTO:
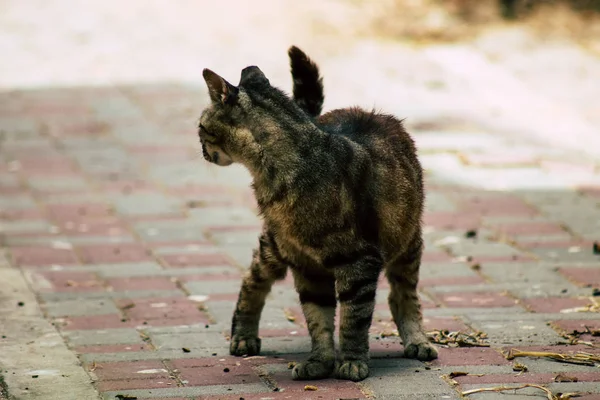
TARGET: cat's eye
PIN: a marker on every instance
(204, 130)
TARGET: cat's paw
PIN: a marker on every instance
(421, 351)
(312, 370)
(355, 370)
(244, 346)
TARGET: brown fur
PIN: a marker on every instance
(341, 197)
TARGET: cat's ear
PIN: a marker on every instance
(253, 76)
(219, 89)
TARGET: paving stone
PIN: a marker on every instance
(213, 287)
(517, 332)
(512, 179)
(103, 336)
(195, 260)
(286, 345)
(231, 239)
(436, 202)
(225, 216)
(43, 256)
(479, 316)
(527, 272)
(479, 248)
(65, 184)
(196, 272)
(582, 275)
(517, 289)
(155, 355)
(148, 203)
(132, 294)
(73, 240)
(190, 341)
(423, 383)
(241, 255)
(565, 254)
(17, 202)
(80, 307)
(554, 304)
(170, 231)
(190, 391)
(23, 226)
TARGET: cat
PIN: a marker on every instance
(341, 196)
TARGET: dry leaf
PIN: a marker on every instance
(498, 389)
(289, 315)
(128, 306)
(454, 374)
(517, 367)
(254, 358)
(565, 378)
(579, 358)
(458, 339)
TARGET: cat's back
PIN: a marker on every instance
(382, 135)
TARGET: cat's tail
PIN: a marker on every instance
(308, 83)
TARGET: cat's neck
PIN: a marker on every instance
(282, 147)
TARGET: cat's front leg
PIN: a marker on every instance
(356, 286)
(317, 297)
(265, 269)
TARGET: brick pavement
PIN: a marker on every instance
(134, 250)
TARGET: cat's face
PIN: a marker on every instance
(213, 137)
(223, 128)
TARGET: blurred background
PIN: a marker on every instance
(503, 63)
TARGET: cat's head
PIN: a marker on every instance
(226, 125)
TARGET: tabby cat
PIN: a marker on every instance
(341, 196)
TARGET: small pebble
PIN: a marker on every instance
(185, 349)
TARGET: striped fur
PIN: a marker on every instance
(342, 198)
(308, 83)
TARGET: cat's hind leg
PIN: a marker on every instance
(356, 286)
(402, 272)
